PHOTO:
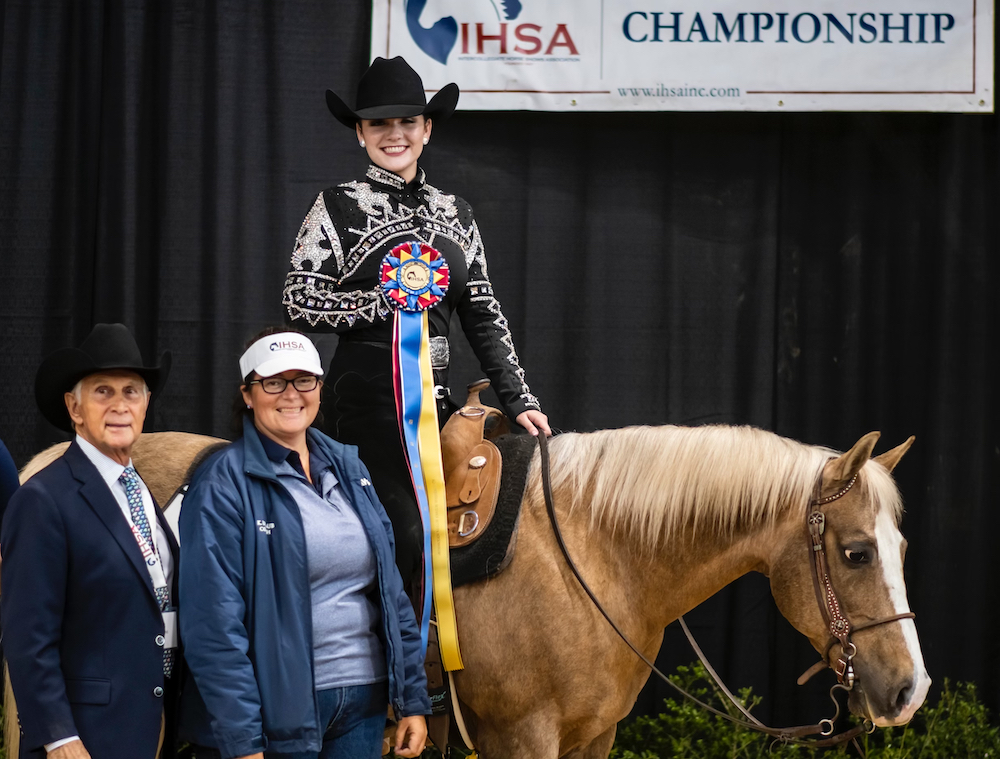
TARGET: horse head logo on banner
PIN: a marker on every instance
(439, 38)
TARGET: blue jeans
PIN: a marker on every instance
(355, 719)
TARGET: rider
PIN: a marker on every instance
(336, 285)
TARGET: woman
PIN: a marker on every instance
(295, 625)
(335, 285)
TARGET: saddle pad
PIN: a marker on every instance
(492, 551)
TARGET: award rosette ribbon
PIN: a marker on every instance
(415, 278)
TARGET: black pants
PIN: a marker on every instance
(359, 408)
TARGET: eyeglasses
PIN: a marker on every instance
(276, 385)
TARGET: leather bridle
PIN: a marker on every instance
(839, 625)
(836, 620)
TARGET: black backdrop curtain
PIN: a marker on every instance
(820, 275)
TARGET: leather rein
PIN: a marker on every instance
(837, 622)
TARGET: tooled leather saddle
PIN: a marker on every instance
(472, 465)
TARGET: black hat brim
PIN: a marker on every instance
(62, 369)
(340, 110)
(439, 107)
(443, 104)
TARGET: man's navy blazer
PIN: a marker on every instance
(82, 629)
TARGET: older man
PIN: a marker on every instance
(88, 566)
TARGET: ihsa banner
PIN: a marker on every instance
(697, 55)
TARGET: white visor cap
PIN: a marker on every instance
(279, 353)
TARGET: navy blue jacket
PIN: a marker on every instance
(82, 628)
(8, 478)
(246, 612)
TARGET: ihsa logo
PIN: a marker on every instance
(486, 37)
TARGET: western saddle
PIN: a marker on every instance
(472, 466)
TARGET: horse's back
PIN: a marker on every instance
(162, 459)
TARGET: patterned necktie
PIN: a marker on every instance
(130, 481)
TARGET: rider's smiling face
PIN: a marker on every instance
(395, 144)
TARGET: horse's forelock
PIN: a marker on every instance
(877, 483)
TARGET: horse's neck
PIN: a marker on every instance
(685, 570)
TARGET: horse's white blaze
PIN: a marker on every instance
(890, 541)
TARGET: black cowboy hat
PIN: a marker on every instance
(391, 89)
(108, 346)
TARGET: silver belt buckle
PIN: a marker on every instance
(440, 353)
(440, 391)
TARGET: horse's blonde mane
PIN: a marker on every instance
(657, 481)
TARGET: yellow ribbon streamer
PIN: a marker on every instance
(430, 461)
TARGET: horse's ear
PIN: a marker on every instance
(841, 469)
(889, 459)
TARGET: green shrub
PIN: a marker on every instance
(684, 729)
(956, 727)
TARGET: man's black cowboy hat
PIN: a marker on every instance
(391, 89)
(108, 346)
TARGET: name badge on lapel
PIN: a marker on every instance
(170, 637)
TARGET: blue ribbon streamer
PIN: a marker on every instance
(410, 327)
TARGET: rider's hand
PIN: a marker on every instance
(533, 421)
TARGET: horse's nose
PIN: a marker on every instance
(904, 696)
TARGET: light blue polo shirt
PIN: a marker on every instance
(343, 584)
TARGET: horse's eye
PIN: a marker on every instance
(856, 557)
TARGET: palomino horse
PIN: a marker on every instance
(689, 510)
